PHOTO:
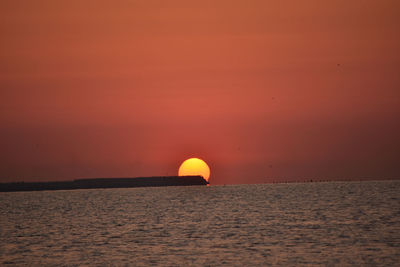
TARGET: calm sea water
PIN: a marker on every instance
(336, 223)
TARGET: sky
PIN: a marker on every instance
(261, 90)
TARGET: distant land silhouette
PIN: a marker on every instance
(104, 183)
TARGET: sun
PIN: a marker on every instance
(194, 166)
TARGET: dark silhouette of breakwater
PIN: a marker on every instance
(105, 183)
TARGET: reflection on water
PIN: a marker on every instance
(285, 224)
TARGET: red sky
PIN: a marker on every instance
(261, 90)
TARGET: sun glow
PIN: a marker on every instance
(194, 166)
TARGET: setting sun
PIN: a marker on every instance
(194, 166)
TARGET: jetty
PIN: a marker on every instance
(96, 183)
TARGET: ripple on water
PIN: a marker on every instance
(284, 224)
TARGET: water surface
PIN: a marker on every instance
(337, 223)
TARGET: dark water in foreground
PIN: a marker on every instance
(334, 223)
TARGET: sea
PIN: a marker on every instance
(288, 224)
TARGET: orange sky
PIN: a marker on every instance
(261, 90)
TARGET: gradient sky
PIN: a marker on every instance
(261, 90)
